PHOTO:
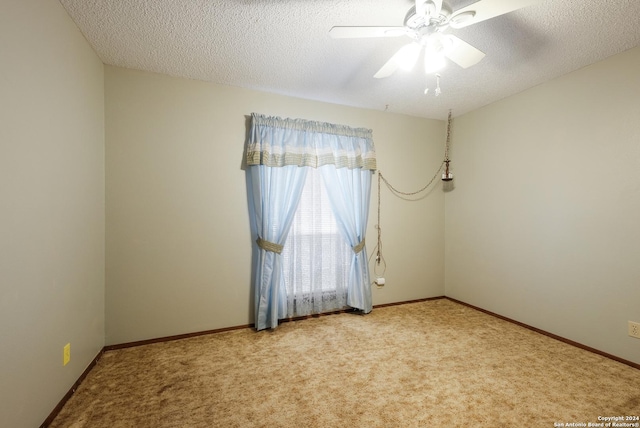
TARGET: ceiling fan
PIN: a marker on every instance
(425, 23)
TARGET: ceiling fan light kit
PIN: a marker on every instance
(426, 23)
(433, 61)
(407, 56)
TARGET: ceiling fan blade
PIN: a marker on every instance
(463, 53)
(387, 69)
(358, 32)
(486, 9)
(405, 58)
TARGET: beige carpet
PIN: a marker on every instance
(429, 364)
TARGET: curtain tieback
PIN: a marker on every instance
(358, 247)
(269, 246)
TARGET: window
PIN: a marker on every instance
(321, 263)
(316, 258)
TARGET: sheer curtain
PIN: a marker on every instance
(279, 152)
(316, 259)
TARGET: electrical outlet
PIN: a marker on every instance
(634, 329)
(66, 354)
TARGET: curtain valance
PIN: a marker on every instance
(278, 142)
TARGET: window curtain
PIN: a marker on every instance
(276, 192)
(349, 197)
(278, 153)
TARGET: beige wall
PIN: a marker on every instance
(543, 226)
(51, 208)
(178, 239)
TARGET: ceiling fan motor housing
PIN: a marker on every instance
(430, 20)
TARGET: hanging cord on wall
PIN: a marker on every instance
(447, 175)
(402, 195)
(448, 142)
(408, 196)
(445, 164)
(378, 249)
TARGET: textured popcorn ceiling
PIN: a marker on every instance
(283, 46)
